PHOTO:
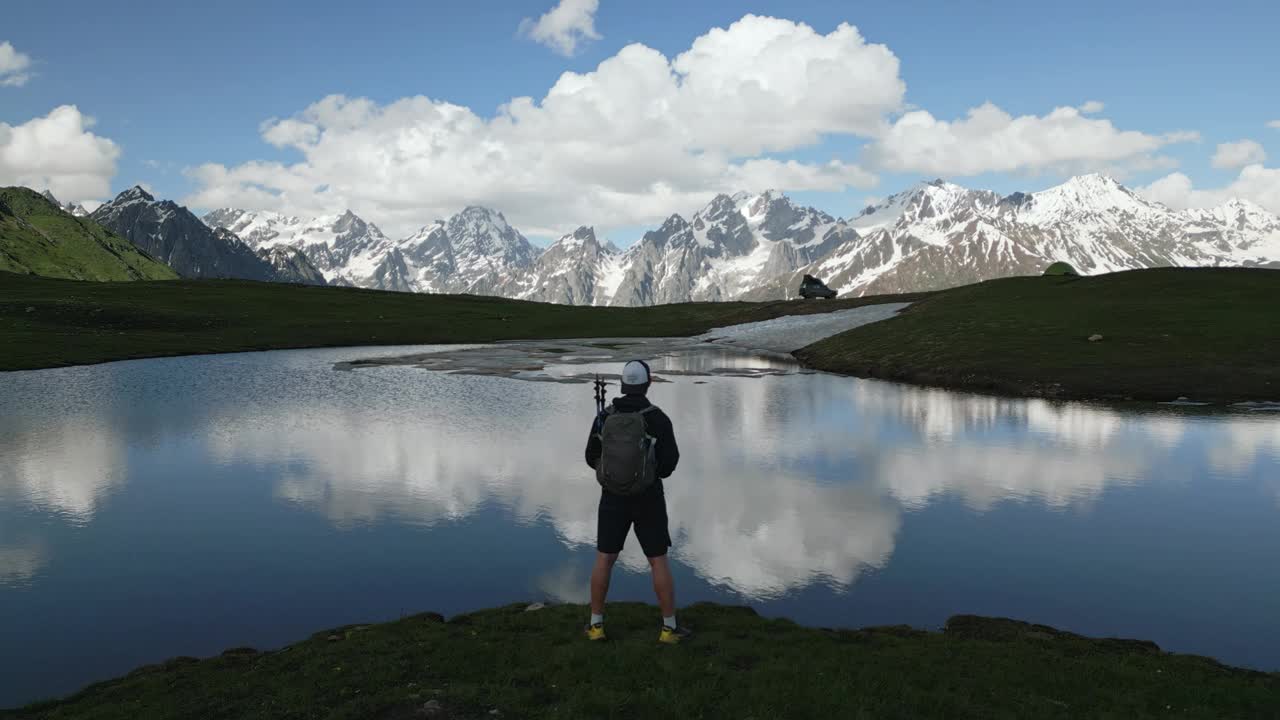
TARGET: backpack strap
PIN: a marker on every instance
(597, 429)
(644, 412)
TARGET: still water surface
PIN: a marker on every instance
(182, 506)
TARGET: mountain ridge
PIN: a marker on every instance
(172, 234)
(39, 236)
(756, 246)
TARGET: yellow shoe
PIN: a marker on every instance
(674, 636)
(596, 632)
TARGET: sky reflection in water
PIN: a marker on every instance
(180, 506)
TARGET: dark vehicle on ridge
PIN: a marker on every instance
(812, 287)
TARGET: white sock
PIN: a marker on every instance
(670, 622)
(597, 619)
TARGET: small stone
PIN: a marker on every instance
(30, 309)
(1095, 338)
(431, 708)
(534, 606)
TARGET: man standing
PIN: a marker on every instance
(632, 447)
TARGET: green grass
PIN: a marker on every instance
(1208, 334)
(47, 323)
(38, 238)
(739, 666)
(1205, 333)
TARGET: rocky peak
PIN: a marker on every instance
(483, 232)
(134, 194)
(351, 223)
(931, 202)
(673, 225)
(75, 209)
(1245, 210)
(1015, 200)
(671, 229)
(170, 233)
(583, 235)
(475, 217)
(1092, 189)
(720, 207)
(1236, 214)
(581, 242)
(1087, 196)
(756, 209)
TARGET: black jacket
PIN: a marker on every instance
(658, 425)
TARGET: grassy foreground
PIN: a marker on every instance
(536, 665)
(49, 323)
(1209, 334)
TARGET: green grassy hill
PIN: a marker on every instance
(47, 323)
(39, 238)
(510, 663)
(1205, 333)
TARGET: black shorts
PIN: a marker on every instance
(647, 511)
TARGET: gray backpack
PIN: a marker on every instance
(628, 453)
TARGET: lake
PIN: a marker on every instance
(182, 506)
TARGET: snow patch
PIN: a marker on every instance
(792, 332)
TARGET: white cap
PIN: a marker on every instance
(635, 373)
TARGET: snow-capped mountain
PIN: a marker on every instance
(736, 247)
(475, 251)
(758, 246)
(75, 209)
(1239, 228)
(289, 263)
(577, 269)
(939, 235)
(331, 243)
(172, 234)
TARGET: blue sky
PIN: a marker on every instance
(178, 85)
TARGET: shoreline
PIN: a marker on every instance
(1163, 335)
(1007, 389)
(527, 661)
(48, 323)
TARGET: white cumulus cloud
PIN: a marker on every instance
(59, 153)
(639, 137)
(1238, 154)
(988, 139)
(1257, 184)
(14, 66)
(1274, 124)
(564, 26)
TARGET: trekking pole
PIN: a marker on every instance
(600, 395)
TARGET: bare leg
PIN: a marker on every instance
(664, 586)
(600, 580)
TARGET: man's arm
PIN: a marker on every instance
(593, 444)
(668, 451)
